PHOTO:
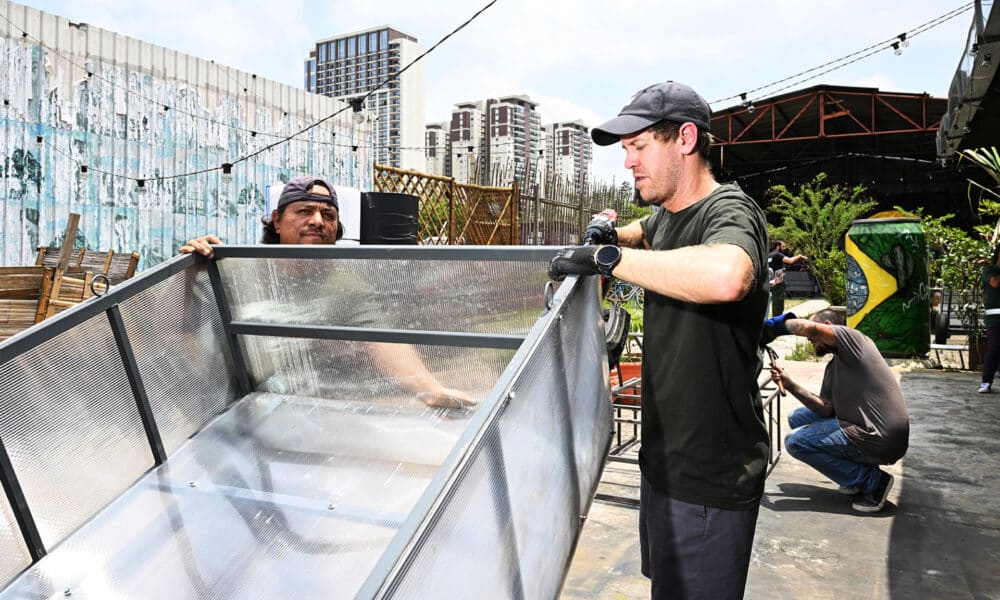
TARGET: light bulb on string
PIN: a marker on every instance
(227, 173)
(140, 186)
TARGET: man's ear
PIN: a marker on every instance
(275, 216)
(687, 135)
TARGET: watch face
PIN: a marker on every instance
(608, 256)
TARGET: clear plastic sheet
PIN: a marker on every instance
(333, 476)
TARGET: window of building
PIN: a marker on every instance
(363, 44)
(384, 39)
(322, 53)
(351, 47)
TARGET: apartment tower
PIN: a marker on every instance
(350, 66)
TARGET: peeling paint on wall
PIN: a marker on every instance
(126, 109)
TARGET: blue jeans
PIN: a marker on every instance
(821, 443)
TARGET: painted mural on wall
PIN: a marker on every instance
(887, 293)
(65, 146)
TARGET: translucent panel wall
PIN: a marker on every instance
(488, 297)
(69, 419)
(515, 510)
(177, 338)
(268, 425)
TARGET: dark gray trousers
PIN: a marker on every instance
(691, 551)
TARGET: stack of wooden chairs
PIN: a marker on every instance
(29, 295)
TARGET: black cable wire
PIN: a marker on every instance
(260, 151)
(834, 65)
(870, 50)
(382, 84)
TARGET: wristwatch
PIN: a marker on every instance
(607, 258)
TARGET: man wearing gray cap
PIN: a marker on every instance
(308, 213)
(701, 258)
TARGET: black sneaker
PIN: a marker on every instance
(873, 502)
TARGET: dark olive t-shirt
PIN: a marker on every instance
(866, 397)
(704, 440)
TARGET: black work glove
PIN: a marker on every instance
(774, 327)
(602, 229)
(575, 260)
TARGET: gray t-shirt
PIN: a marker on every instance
(866, 397)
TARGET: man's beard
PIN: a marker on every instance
(823, 350)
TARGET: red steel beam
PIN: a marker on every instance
(835, 97)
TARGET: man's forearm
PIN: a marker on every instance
(808, 399)
(632, 235)
(704, 274)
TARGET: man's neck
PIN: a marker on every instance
(692, 189)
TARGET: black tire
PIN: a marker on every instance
(940, 327)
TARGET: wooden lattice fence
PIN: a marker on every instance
(453, 213)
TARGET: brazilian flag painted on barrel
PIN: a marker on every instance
(887, 295)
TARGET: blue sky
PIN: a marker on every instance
(580, 59)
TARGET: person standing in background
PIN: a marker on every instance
(991, 299)
(778, 261)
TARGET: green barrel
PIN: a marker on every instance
(887, 295)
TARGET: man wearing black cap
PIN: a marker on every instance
(307, 213)
(702, 259)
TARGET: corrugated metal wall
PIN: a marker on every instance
(126, 109)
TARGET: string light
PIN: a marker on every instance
(140, 186)
(839, 63)
(227, 173)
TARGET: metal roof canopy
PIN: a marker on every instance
(972, 119)
(858, 136)
(825, 121)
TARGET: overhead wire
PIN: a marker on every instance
(282, 139)
(791, 80)
(852, 57)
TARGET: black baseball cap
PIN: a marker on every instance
(667, 101)
(296, 191)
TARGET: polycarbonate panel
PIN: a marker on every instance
(498, 297)
(70, 424)
(376, 372)
(541, 474)
(177, 338)
(553, 434)
(471, 551)
(582, 347)
(280, 497)
(14, 555)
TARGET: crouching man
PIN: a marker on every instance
(858, 421)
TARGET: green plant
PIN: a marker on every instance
(814, 220)
(955, 263)
(802, 351)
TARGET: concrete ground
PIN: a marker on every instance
(938, 537)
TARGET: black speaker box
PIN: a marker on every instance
(388, 218)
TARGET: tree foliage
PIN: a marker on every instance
(813, 221)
